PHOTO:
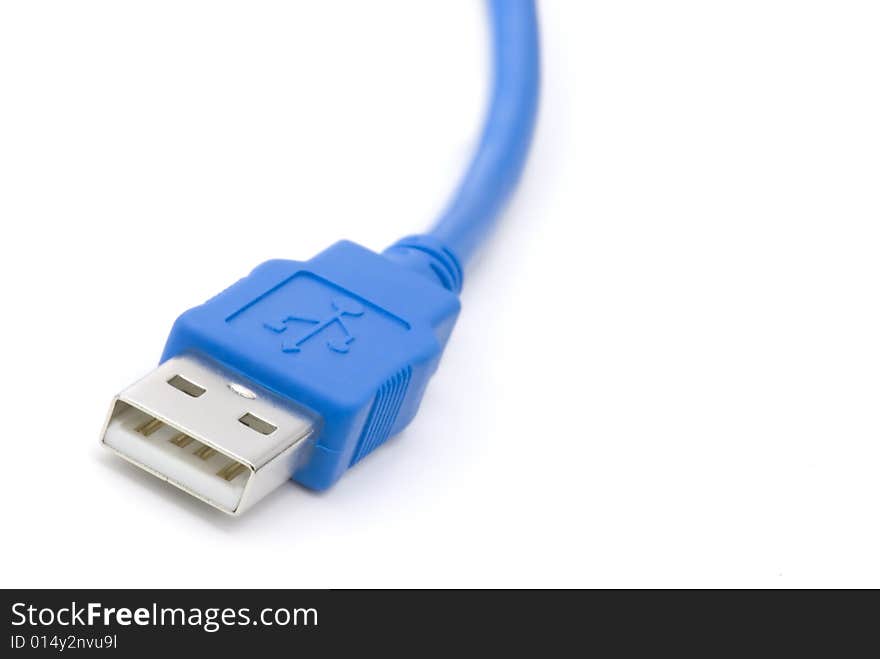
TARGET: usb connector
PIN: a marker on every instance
(303, 368)
(299, 371)
(221, 438)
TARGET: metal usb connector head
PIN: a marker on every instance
(211, 433)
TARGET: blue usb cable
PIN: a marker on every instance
(301, 369)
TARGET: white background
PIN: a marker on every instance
(667, 369)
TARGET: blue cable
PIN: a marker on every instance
(507, 131)
(303, 368)
(500, 157)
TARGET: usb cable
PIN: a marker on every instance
(301, 369)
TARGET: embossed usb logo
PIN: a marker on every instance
(341, 308)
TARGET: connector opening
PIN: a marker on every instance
(208, 431)
(171, 454)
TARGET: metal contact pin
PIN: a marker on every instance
(204, 452)
(181, 439)
(148, 427)
(231, 470)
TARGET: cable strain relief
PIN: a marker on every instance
(429, 257)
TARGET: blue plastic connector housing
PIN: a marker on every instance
(352, 335)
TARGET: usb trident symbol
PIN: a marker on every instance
(341, 307)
